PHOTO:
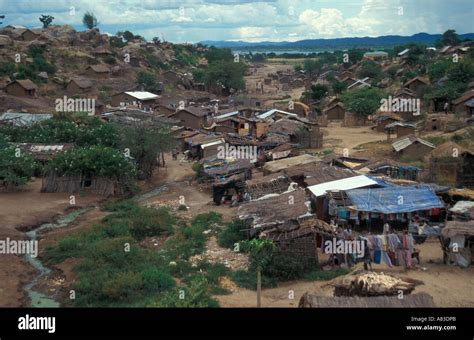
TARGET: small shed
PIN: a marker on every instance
(450, 164)
(335, 112)
(399, 129)
(416, 84)
(79, 85)
(412, 147)
(22, 88)
(192, 117)
(457, 242)
(98, 71)
(465, 104)
(142, 99)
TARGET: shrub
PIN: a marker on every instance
(232, 234)
(195, 296)
(156, 280)
(283, 267)
(150, 222)
(16, 168)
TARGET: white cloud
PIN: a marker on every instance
(264, 20)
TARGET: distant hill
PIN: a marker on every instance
(338, 43)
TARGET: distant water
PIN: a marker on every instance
(279, 52)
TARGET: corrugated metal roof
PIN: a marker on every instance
(142, 95)
(225, 115)
(216, 142)
(342, 184)
(23, 119)
(409, 140)
(403, 52)
(273, 111)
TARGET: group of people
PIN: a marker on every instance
(391, 248)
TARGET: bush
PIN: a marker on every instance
(232, 234)
(156, 280)
(16, 168)
(196, 295)
(150, 222)
(284, 267)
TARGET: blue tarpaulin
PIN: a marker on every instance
(395, 199)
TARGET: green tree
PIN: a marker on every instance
(46, 20)
(89, 20)
(439, 69)
(16, 167)
(338, 87)
(261, 252)
(362, 102)
(117, 42)
(214, 54)
(450, 37)
(225, 75)
(318, 92)
(370, 69)
(148, 81)
(462, 71)
(448, 91)
(146, 143)
(355, 55)
(312, 67)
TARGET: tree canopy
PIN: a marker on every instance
(89, 20)
(46, 20)
(362, 102)
(16, 167)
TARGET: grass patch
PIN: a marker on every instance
(114, 271)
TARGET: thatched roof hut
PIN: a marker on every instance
(454, 228)
(273, 184)
(282, 164)
(316, 173)
(420, 300)
(273, 210)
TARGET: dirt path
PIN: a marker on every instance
(177, 177)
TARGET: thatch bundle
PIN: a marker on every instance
(371, 284)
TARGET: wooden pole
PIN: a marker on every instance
(259, 288)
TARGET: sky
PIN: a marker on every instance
(253, 21)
